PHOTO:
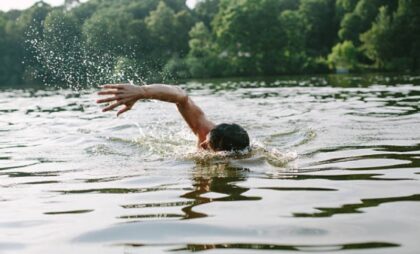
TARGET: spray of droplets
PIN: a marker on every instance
(61, 57)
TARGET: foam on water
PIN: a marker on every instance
(181, 147)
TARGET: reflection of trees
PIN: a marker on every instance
(218, 178)
(355, 208)
(314, 248)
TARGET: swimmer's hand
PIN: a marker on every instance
(128, 95)
(122, 94)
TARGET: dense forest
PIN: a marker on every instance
(102, 41)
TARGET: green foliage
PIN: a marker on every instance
(294, 53)
(392, 41)
(161, 24)
(320, 18)
(204, 59)
(106, 31)
(118, 40)
(206, 10)
(201, 41)
(60, 52)
(3, 47)
(176, 67)
(347, 5)
(360, 19)
(378, 40)
(343, 56)
(252, 43)
(126, 69)
(22, 27)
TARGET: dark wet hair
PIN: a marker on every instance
(228, 137)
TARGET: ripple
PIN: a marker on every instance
(107, 179)
(341, 177)
(355, 208)
(296, 189)
(16, 164)
(41, 182)
(153, 216)
(334, 166)
(369, 157)
(116, 190)
(259, 246)
(69, 212)
(164, 204)
(32, 174)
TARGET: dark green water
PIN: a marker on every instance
(335, 169)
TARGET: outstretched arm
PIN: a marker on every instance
(128, 95)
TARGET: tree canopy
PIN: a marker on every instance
(118, 40)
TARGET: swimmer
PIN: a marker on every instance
(221, 137)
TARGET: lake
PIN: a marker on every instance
(335, 168)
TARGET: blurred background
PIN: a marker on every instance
(100, 41)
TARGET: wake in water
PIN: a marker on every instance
(256, 153)
(182, 146)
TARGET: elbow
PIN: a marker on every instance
(183, 97)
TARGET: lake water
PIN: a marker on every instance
(335, 168)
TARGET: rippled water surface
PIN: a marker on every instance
(335, 168)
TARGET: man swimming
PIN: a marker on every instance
(222, 137)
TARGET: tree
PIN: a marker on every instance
(61, 52)
(106, 31)
(203, 58)
(22, 29)
(360, 19)
(95, 41)
(4, 59)
(343, 56)
(84, 11)
(206, 10)
(161, 24)
(294, 53)
(377, 42)
(169, 32)
(392, 41)
(251, 42)
(347, 5)
(322, 25)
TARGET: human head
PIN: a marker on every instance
(228, 137)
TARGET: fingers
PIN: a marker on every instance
(113, 86)
(109, 99)
(109, 92)
(125, 109)
(112, 106)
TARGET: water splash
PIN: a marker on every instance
(62, 58)
(181, 145)
(257, 152)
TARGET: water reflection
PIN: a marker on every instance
(376, 157)
(355, 208)
(68, 212)
(214, 182)
(303, 248)
(215, 178)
